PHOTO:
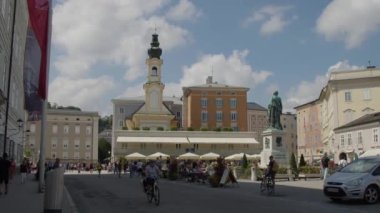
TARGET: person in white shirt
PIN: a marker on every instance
(342, 160)
(152, 173)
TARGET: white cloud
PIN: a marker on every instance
(307, 91)
(350, 21)
(184, 10)
(86, 93)
(272, 18)
(232, 70)
(87, 33)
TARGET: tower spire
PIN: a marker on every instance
(155, 51)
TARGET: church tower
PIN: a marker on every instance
(153, 113)
(153, 87)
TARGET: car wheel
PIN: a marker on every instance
(371, 194)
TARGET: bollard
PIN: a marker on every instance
(253, 174)
(54, 191)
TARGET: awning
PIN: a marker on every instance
(152, 139)
(185, 140)
(135, 156)
(157, 155)
(209, 156)
(188, 156)
(202, 140)
(236, 156)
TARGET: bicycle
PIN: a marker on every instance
(267, 185)
(153, 192)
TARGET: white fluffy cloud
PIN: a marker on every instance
(307, 91)
(232, 70)
(184, 10)
(273, 19)
(88, 33)
(350, 21)
(88, 93)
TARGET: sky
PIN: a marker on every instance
(99, 47)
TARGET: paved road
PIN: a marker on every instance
(112, 194)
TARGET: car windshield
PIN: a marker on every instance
(361, 166)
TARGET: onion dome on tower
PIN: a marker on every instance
(155, 51)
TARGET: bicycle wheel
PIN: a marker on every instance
(149, 193)
(156, 193)
(270, 186)
(263, 186)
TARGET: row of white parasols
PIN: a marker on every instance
(190, 156)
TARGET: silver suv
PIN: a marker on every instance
(358, 180)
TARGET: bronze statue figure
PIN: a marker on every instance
(274, 112)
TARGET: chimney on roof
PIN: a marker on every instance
(209, 80)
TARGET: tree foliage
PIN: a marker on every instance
(302, 161)
(105, 123)
(293, 164)
(103, 148)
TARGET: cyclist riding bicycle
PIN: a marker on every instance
(152, 173)
(272, 168)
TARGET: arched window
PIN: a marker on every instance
(154, 71)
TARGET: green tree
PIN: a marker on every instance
(105, 123)
(245, 162)
(293, 164)
(103, 148)
(302, 161)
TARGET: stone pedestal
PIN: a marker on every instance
(274, 144)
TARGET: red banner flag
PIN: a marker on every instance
(36, 57)
(39, 22)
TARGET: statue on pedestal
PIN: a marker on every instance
(274, 112)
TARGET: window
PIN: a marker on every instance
(154, 71)
(53, 155)
(76, 143)
(55, 129)
(347, 96)
(204, 116)
(360, 138)
(159, 145)
(213, 146)
(142, 145)
(233, 103)
(204, 102)
(88, 130)
(219, 116)
(267, 143)
(233, 116)
(342, 140)
(124, 146)
(77, 129)
(367, 94)
(88, 155)
(349, 141)
(121, 110)
(65, 155)
(65, 144)
(76, 155)
(375, 135)
(121, 123)
(219, 103)
(178, 146)
(230, 146)
(54, 143)
(66, 129)
(178, 114)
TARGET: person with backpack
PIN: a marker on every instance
(325, 165)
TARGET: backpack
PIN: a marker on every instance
(275, 166)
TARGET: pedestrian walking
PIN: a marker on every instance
(12, 169)
(342, 160)
(99, 168)
(325, 165)
(24, 170)
(5, 165)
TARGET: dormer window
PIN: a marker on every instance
(154, 71)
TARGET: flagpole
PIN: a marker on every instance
(41, 186)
